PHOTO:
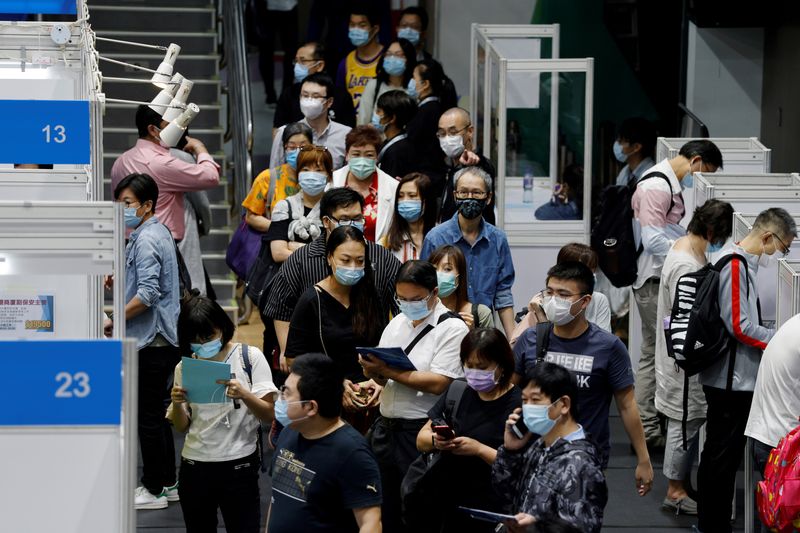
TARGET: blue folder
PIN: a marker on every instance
(200, 380)
(394, 357)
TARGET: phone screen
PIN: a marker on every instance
(445, 432)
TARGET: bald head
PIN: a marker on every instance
(456, 121)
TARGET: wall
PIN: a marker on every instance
(724, 79)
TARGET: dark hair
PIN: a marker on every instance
(555, 382)
(576, 251)
(441, 86)
(312, 156)
(367, 9)
(778, 221)
(366, 313)
(714, 216)
(336, 198)
(573, 271)
(200, 317)
(490, 345)
(418, 272)
(707, 150)
(143, 186)
(320, 379)
(454, 253)
(319, 49)
(399, 105)
(639, 130)
(399, 227)
(363, 135)
(145, 116)
(296, 128)
(573, 176)
(418, 11)
(411, 61)
(322, 79)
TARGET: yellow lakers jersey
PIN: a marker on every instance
(357, 74)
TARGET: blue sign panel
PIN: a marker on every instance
(45, 132)
(57, 383)
(44, 7)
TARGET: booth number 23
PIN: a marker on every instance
(56, 134)
(73, 385)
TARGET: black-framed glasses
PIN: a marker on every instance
(549, 293)
(478, 195)
(347, 222)
(442, 133)
(786, 248)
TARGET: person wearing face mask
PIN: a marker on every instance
(567, 200)
(220, 457)
(310, 59)
(361, 64)
(393, 111)
(324, 475)
(598, 359)
(410, 222)
(451, 270)
(151, 313)
(316, 100)
(634, 149)
(463, 475)
(489, 264)
(308, 265)
(413, 26)
(658, 208)
(729, 391)
(393, 73)
(430, 335)
(553, 472)
(363, 176)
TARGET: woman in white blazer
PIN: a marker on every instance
(360, 174)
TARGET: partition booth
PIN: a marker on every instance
(533, 118)
(788, 291)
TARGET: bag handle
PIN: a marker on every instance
(543, 330)
(319, 311)
(273, 182)
(427, 329)
(453, 400)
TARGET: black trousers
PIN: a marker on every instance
(726, 419)
(156, 367)
(394, 442)
(231, 486)
(283, 24)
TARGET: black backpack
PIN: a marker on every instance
(612, 234)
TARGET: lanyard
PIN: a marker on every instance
(396, 139)
(429, 99)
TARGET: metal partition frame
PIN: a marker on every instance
(766, 189)
(53, 185)
(788, 290)
(739, 154)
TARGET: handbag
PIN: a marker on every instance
(259, 277)
(243, 249)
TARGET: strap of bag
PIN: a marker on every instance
(543, 330)
(685, 417)
(453, 400)
(427, 329)
(475, 317)
(665, 178)
(248, 368)
(732, 343)
(273, 182)
(319, 311)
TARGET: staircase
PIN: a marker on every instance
(192, 24)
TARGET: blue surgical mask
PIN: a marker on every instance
(282, 412)
(291, 158)
(410, 210)
(713, 248)
(448, 282)
(414, 310)
(348, 276)
(412, 89)
(358, 36)
(132, 220)
(376, 121)
(688, 181)
(394, 66)
(536, 418)
(618, 153)
(207, 350)
(312, 183)
(300, 72)
(410, 34)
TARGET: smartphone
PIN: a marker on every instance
(520, 429)
(444, 431)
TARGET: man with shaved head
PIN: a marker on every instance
(455, 135)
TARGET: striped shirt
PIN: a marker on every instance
(308, 265)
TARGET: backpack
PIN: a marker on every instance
(248, 368)
(612, 234)
(778, 496)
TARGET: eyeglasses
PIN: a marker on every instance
(462, 194)
(128, 204)
(348, 222)
(401, 301)
(305, 61)
(785, 251)
(452, 131)
(548, 292)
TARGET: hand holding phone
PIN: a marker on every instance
(444, 431)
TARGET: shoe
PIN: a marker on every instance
(685, 505)
(144, 499)
(172, 493)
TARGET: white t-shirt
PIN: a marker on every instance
(776, 399)
(438, 352)
(219, 432)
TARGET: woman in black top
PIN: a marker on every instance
(339, 313)
(393, 111)
(464, 470)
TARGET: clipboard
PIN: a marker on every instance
(394, 357)
(199, 378)
(487, 516)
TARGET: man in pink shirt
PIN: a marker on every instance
(173, 176)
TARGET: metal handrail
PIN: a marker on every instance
(240, 111)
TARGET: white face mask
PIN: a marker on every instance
(312, 107)
(558, 310)
(764, 260)
(452, 146)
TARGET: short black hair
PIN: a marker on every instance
(145, 116)
(492, 346)
(200, 317)
(707, 150)
(573, 271)
(367, 9)
(399, 105)
(639, 130)
(336, 198)
(322, 79)
(143, 186)
(714, 216)
(418, 11)
(555, 381)
(320, 379)
(418, 272)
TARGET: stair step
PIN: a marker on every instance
(215, 264)
(158, 18)
(220, 215)
(217, 239)
(121, 115)
(193, 66)
(225, 288)
(195, 42)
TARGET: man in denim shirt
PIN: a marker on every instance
(151, 316)
(491, 271)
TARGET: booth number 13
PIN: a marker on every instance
(56, 134)
(73, 385)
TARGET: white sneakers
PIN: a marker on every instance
(144, 499)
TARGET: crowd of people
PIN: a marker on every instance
(398, 389)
